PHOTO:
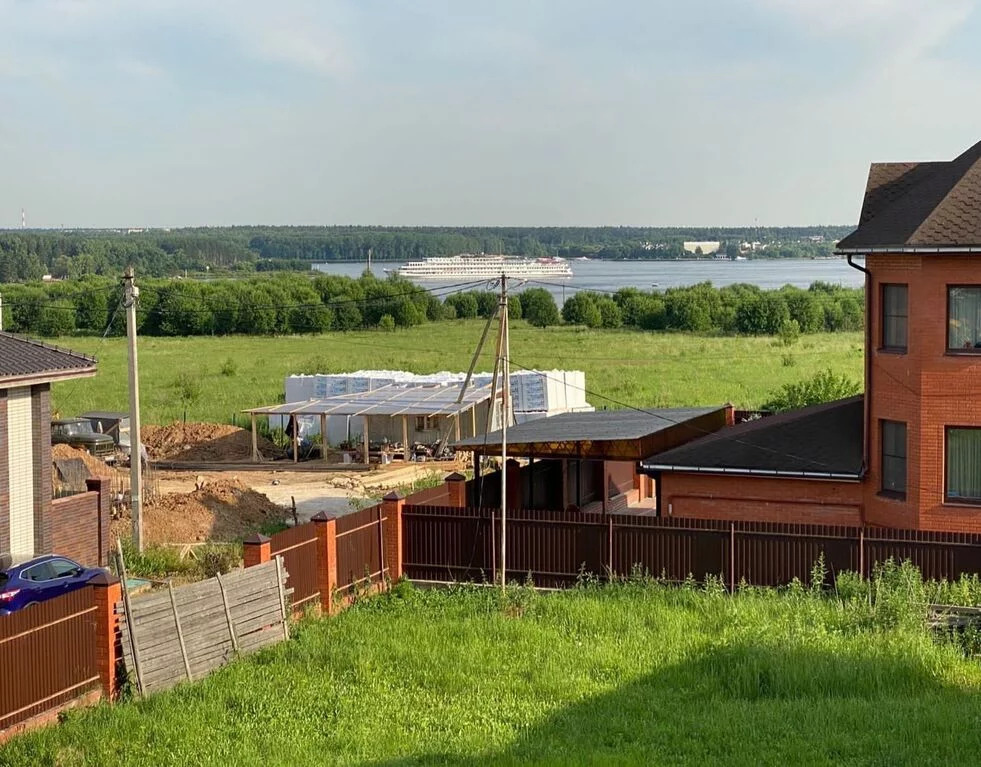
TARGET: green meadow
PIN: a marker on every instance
(623, 367)
(631, 674)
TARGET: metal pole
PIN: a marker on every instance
(1, 312)
(505, 417)
(130, 294)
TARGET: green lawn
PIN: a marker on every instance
(628, 675)
(634, 367)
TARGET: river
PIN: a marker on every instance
(609, 276)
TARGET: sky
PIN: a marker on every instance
(454, 112)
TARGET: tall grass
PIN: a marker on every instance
(629, 673)
(638, 368)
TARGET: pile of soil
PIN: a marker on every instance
(202, 442)
(221, 510)
(95, 466)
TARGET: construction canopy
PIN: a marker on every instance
(391, 400)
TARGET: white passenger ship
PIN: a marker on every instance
(484, 266)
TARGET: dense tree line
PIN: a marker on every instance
(290, 303)
(28, 255)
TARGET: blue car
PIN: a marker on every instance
(35, 580)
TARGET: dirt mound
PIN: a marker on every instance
(204, 442)
(222, 510)
(96, 467)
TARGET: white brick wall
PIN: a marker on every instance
(20, 454)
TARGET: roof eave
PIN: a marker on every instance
(733, 471)
(36, 379)
(912, 249)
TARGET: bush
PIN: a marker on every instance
(826, 386)
(789, 332)
(538, 307)
(228, 368)
(387, 323)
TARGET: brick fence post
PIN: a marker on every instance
(256, 549)
(392, 509)
(456, 489)
(106, 592)
(101, 485)
(326, 527)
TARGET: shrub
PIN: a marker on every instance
(826, 386)
(538, 307)
(789, 332)
(387, 323)
(228, 368)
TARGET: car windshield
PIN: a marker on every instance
(74, 429)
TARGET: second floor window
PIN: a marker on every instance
(964, 319)
(894, 317)
(894, 458)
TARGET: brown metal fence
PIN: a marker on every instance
(298, 547)
(48, 656)
(360, 548)
(555, 548)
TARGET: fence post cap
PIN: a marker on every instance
(395, 495)
(455, 477)
(256, 539)
(322, 516)
(103, 579)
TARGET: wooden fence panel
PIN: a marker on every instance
(360, 548)
(198, 627)
(298, 548)
(47, 656)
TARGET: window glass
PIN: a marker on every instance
(964, 464)
(894, 457)
(40, 572)
(63, 568)
(964, 318)
(894, 316)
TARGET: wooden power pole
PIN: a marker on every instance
(505, 367)
(130, 294)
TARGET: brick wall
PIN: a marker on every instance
(41, 447)
(762, 499)
(927, 388)
(4, 477)
(80, 525)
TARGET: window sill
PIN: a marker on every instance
(964, 503)
(892, 495)
(895, 350)
(963, 353)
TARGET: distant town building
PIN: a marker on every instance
(705, 247)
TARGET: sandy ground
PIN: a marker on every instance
(314, 492)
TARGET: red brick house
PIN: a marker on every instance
(908, 453)
(30, 521)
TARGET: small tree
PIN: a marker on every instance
(187, 390)
(387, 323)
(538, 307)
(826, 386)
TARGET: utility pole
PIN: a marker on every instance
(505, 366)
(130, 294)
(1, 312)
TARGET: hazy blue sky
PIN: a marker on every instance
(523, 112)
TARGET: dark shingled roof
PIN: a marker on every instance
(822, 440)
(921, 205)
(22, 358)
(594, 426)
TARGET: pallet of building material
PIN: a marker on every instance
(182, 634)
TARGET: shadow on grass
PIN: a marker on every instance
(751, 704)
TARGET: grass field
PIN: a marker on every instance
(625, 675)
(634, 367)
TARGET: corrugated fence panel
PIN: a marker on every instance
(445, 543)
(360, 544)
(47, 656)
(298, 547)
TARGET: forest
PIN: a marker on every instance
(281, 304)
(30, 254)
